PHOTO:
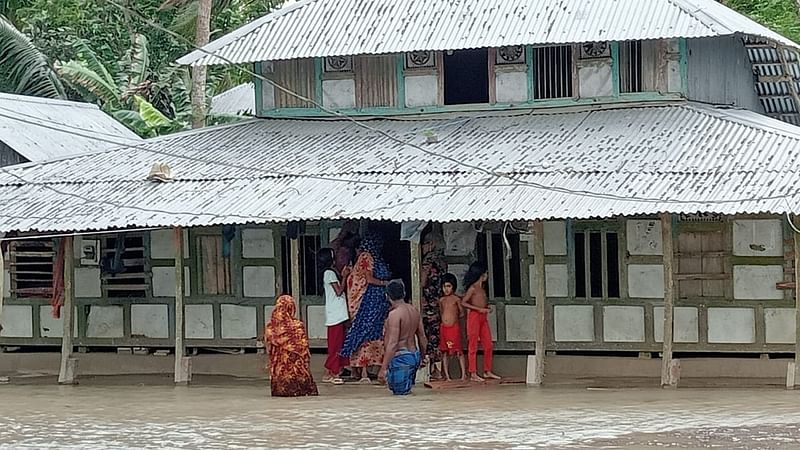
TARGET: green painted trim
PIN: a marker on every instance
(615, 68)
(539, 104)
(531, 71)
(684, 65)
(318, 71)
(400, 79)
(258, 89)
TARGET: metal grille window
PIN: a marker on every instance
(123, 266)
(553, 71)
(31, 267)
(701, 264)
(630, 67)
(500, 265)
(596, 264)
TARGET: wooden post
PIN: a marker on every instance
(66, 374)
(183, 368)
(416, 282)
(294, 248)
(794, 378)
(2, 278)
(541, 302)
(669, 369)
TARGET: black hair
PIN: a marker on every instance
(450, 278)
(396, 290)
(474, 273)
(325, 259)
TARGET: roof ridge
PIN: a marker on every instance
(718, 112)
(684, 6)
(49, 101)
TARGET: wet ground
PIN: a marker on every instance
(242, 415)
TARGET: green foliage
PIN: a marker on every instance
(778, 15)
(23, 68)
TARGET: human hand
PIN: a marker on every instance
(382, 376)
(487, 310)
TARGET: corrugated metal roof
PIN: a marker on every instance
(86, 127)
(239, 100)
(580, 164)
(319, 28)
(774, 78)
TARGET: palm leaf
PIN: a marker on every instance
(137, 61)
(84, 78)
(134, 121)
(23, 68)
(151, 116)
(90, 60)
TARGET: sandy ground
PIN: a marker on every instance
(215, 413)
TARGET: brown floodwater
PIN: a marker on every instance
(243, 415)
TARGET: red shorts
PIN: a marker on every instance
(450, 338)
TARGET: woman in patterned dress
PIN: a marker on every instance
(433, 267)
(289, 356)
(366, 297)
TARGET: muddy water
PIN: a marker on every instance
(244, 416)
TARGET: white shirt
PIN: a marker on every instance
(335, 305)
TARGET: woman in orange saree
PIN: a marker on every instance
(289, 356)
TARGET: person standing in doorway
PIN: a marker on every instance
(433, 267)
(366, 297)
(336, 315)
(405, 342)
(476, 302)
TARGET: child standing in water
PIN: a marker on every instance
(336, 315)
(477, 302)
(450, 330)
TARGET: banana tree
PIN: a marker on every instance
(150, 103)
(23, 68)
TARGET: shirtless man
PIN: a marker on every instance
(477, 302)
(403, 329)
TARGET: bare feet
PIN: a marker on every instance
(474, 377)
(463, 378)
(491, 376)
(447, 378)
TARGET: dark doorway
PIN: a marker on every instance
(396, 253)
(466, 77)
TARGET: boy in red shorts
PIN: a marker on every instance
(450, 331)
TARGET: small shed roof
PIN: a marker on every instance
(238, 100)
(42, 128)
(678, 158)
(320, 28)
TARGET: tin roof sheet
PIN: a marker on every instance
(319, 28)
(579, 164)
(239, 100)
(88, 127)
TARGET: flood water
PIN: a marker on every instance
(503, 417)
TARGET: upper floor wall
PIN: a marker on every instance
(511, 77)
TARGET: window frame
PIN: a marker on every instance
(604, 228)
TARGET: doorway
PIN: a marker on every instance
(466, 77)
(396, 253)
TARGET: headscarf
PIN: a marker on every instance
(284, 330)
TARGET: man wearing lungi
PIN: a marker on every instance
(404, 337)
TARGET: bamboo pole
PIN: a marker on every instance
(541, 302)
(66, 373)
(294, 248)
(669, 369)
(182, 363)
(416, 282)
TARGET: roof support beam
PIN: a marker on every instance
(183, 365)
(541, 301)
(670, 369)
(66, 373)
(792, 374)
